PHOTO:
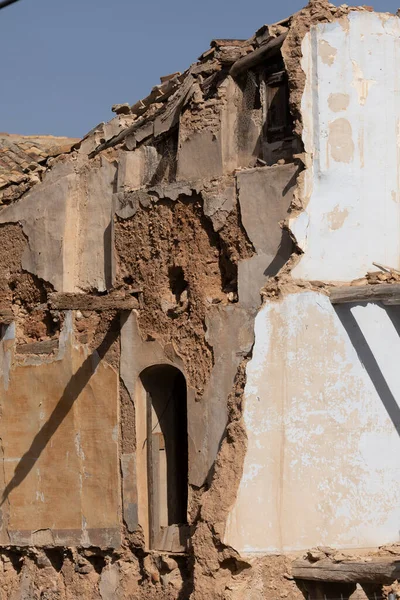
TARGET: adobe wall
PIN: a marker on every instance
(188, 206)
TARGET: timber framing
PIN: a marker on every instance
(382, 570)
(69, 301)
(259, 55)
(388, 293)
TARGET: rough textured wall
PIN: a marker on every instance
(179, 207)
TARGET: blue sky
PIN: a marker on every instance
(65, 62)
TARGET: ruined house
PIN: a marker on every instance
(199, 373)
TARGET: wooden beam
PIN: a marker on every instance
(65, 301)
(391, 302)
(388, 293)
(44, 347)
(257, 56)
(155, 473)
(150, 475)
(173, 538)
(374, 571)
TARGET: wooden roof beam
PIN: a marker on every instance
(67, 301)
(382, 570)
(387, 293)
(258, 56)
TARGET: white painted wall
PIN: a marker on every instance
(323, 459)
(351, 114)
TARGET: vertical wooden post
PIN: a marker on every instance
(149, 439)
(153, 474)
(155, 526)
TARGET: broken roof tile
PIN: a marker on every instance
(21, 154)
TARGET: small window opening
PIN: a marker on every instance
(167, 450)
(279, 120)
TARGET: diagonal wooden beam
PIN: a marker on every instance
(258, 56)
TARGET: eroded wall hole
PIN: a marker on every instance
(177, 281)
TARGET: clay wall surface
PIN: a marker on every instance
(171, 215)
(201, 229)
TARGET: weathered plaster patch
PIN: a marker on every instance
(338, 102)
(67, 220)
(361, 84)
(7, 339)
(398, 158)
(361, 146)
(59, 417)
(326, 52)
(344, 23)
(337, 217)
(299, 227)
(341, 140)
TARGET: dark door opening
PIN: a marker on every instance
(167, 449)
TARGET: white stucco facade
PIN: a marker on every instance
(351, 118)
(323, 386)
(323, 458)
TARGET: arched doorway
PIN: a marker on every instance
(166, 450)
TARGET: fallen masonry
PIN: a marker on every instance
(199, 383)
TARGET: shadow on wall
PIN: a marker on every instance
(366, 355)
(71, 392)
(316, 590)
(286, 245)
(167, 450)
(284, 252)
(108, 256)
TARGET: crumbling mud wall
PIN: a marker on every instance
(149, 243)
(172, 209)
